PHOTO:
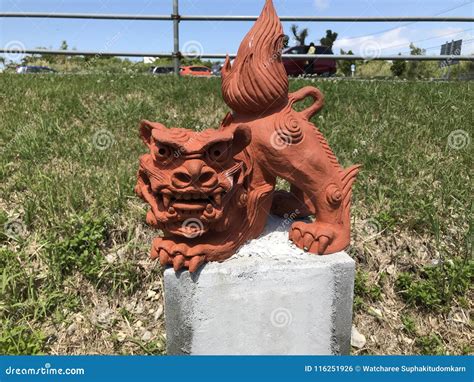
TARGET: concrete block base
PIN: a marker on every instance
(270, 298)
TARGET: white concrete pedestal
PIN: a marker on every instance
(269, 298)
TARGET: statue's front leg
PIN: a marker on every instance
(191, 254)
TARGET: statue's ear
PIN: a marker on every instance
(146, 131)
(242, 138)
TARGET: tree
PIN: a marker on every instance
(64, 46)
(416, 69)
(300, 36)
(398, 67)
(415, 51)
(329, 39)
(345, 65)
(286, 41)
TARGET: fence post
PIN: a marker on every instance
(176, 54)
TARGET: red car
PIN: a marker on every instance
(321, 66)
(197, 71)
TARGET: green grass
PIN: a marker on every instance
(434, 287)
(65, 204)
(430, 345)
(364, 291)
(409, 324)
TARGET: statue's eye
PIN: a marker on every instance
(163, 151)
(219, 152)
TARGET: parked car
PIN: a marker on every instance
(161, 70)
(320, 66)
(23, 69)
(197, 71)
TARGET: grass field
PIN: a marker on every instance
(73, 258)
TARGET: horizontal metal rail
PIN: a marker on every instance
(176, 18)
(221, 55)
(124, 16)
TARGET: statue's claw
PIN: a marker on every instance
(312, 237)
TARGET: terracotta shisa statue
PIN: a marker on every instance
(212, 191)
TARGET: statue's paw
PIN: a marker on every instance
(313, 237)
(179, 255)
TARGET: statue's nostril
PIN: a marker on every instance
(206, 177)
(182, 177)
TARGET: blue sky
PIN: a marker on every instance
(222, 37)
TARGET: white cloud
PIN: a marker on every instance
(398, 41)
(390, 42)
(321, 4)
(447, 32)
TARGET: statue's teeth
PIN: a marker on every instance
(218, 199)
(166, 200)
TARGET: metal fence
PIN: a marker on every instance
(176, 18)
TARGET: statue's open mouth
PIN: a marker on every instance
(197, 204)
